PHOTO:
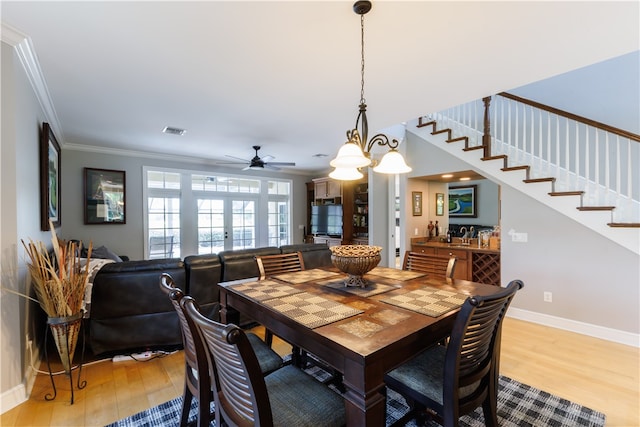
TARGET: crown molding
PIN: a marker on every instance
(29, 60)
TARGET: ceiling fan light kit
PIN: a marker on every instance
(356, 152)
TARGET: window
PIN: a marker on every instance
(163, 215)
(198, 213)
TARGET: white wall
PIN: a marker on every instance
(22, 118)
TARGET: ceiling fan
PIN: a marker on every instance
(257, 163)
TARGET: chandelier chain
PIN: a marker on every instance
(362, 100)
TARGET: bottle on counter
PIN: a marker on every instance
(437, 229)
(430, 228)
(449, 239)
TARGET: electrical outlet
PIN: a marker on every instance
(520, 237)
(548, 297)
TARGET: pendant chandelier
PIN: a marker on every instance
(356, 152)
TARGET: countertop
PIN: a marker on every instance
(473, 247)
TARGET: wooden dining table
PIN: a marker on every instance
(361, 332)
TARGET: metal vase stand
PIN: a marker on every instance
(65, 331)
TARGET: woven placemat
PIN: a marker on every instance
(427, 300)
(305, 275)
(311, 310)
(394, 273)
(370, 290)
(265, 289)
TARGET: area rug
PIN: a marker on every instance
(518, 405)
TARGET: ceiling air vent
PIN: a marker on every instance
(174, 131)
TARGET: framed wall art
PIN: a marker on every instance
(50, 179)
(416, 202)
(104, 196)
(439, 204)
(463, 202)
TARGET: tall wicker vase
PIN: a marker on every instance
(65, 331)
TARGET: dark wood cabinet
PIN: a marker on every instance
(354, 198)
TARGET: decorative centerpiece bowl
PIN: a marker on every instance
(355, 261)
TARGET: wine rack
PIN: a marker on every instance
(486, 268)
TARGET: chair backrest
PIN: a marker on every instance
(242, 399)
(161, 246)
(194, 351)
(436, 266)
(270, 265)
(473, 349)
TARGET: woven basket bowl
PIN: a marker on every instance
(355, 260)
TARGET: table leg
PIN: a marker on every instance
(365, 402)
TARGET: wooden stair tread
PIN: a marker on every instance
(515, 168)
(461, 138)
(475, 147)
(531, 180)
(566, 193)
(596, 208)
(624, 224)
(498, 157)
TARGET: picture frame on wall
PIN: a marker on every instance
(104, 196)
(439, 204)
(416, 202)
(50, 179)
(463, 201)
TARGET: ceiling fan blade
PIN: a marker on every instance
(271, 167)
(267, 158)
(238, 158)
(281, 164)
(247, 168)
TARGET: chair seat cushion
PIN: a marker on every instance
(424, 375)
(297, 399)
(268, 359)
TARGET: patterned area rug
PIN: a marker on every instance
(519, 405)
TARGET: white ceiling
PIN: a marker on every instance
(286, 74)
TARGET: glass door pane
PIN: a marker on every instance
(243, 224)
(211, 226)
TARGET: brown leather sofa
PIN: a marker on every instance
(130, 313)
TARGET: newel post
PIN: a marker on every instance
(486, 137)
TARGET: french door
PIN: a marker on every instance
(226, 223)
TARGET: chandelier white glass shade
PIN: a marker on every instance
(356, 152)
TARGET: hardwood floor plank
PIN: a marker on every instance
(592, 372)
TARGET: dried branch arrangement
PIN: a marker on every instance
(59, 280)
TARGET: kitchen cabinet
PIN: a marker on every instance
(476, 264)
(327, 188)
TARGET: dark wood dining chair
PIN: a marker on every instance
(195, 358)
(286, 397)
(271, 265)
(436, 266)
(449, 381)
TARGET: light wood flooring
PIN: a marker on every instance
(596, 373)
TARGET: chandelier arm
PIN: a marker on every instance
(382, 140)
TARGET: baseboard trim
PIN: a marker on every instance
(614, 335)
(20, 393)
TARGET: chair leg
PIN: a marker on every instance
(490, 411)
(186, 406)
(268, 337)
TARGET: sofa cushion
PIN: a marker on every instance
(241, 263)
(203, 273)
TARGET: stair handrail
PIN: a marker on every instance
(571, 116)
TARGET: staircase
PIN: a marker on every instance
(587, 170)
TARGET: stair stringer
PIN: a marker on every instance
(597, 221)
